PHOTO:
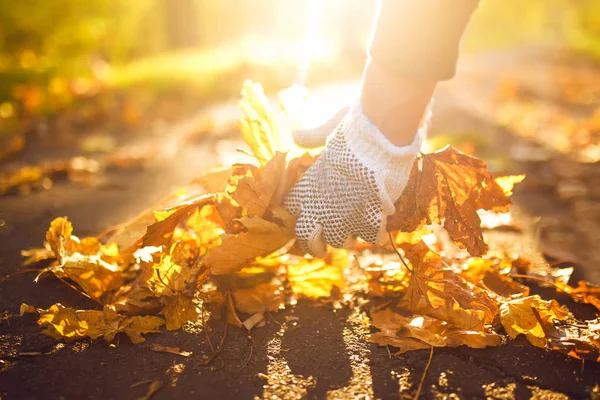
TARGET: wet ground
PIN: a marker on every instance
(311, 350)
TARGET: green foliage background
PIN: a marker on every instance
(44, 39)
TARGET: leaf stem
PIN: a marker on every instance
(420, 388)
(397, 252)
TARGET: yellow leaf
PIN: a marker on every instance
(262, 238)
(135, 327)
(161, 232)
(435, 290)
(529, 316)
(24, 176)
(508, 182)
(69, 324)
(95, 276)
(316, 277)
(59, 232)
(401, 331)
(178, 310)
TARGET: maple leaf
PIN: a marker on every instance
(448, 190)
(531, 316)
(59, 232)
(236, 250)
(161, 232)
(437, 291)
(178, 310)
(95, 276)
(70, 324)
(317, 277)
(419, 332)
(260, 298)
(255, 192)
(82, 261)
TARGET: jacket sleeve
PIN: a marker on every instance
(420, 38)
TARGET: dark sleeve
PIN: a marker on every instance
(420, 38)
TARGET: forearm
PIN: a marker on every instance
(420, 38)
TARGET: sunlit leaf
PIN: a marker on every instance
(258, 299)
(530, 316)
(437, 291)
(448, 190)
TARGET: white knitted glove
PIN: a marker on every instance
(351, 189)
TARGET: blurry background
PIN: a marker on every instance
(54, 52)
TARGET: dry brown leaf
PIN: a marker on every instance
(69, 324)
(531, 316)
(172, 350)
(437, 291)
(448, 190)
(255, 320)
(262, 238)
(258, 299)
(26, 309)
(255, 192)
(418, 332)
(580, 341)
(232, 317)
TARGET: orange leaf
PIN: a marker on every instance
(262, 238)
(437, 291)
(254, 193)
(448, 190)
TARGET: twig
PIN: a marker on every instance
(539, 279)
(4, 278)
(248, 359)
(424, 375)
(397, 252)
(219, 349)
(79, 291)
(273, 318)
(205, 328)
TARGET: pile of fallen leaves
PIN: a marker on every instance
(229, 253)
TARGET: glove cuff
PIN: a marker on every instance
(375, 150)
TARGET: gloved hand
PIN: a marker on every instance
(351, 189)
